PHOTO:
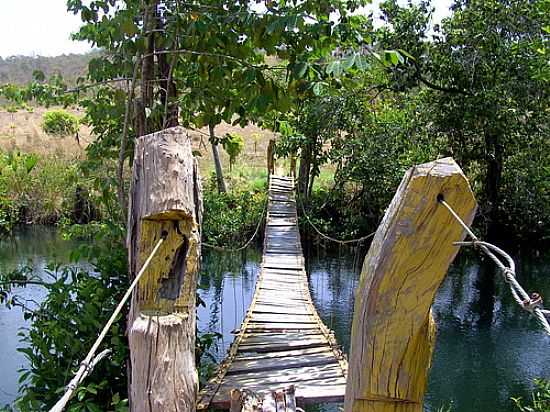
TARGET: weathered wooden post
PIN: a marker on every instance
(165, 196)
(393, 331)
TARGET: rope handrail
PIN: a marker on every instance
(248, 242)
(530, 303)
(342, 242)
(89, 362)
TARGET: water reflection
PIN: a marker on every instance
(481, 359)
(477, 365)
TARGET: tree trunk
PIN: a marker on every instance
(217, 160)
(393, 331)
(165, 196)
(168, 91)
(304, 171)
(494, 163)
(148, 64)
(271, 157)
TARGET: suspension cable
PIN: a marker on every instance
(531, 304)
(342, 242)
(248, 242)
(89, 362)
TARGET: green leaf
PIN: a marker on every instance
(318, 88)
(348, 62)
(361, 63)
(129, 28)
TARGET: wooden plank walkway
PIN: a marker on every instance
(282, 341)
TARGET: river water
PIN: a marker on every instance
(486, 351)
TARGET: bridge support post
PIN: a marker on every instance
(393, 332)
(165, 196)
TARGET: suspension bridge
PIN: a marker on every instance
(282, 342)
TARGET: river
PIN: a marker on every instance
(486, 351)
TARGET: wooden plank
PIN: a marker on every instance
(259, 365)
(277, 338)
(284, 376)
(279, 327)
(312, 391)
(279, 318)
(283, 354)
(283, 346)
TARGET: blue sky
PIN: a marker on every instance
(43, 27)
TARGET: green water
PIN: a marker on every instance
(486, 351)
(35, 246)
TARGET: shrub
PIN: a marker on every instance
(60, 123)
(231, 218)
(39, 189)
(233, 144)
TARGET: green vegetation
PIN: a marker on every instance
(38, 189)
(231, 218)
(476, 89)
(76, 300)
(60, 123)
(356, 105)
(540, 400)
(233, 144)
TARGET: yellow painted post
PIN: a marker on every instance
(165, 196)
(393, 331)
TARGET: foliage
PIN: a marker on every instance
(233, 144)
(230, 218)
(485, 77)
(60, 123)
(64, 326)
(477, 90)
(38, 189)
(540, 400)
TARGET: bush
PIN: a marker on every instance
(40, 189)
(233, 144)
(60, 123)
(231, 218)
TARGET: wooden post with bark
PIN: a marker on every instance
(393, 331)
(166, 196)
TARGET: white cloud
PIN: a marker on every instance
(38, 27)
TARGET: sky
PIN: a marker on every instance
(43, 27)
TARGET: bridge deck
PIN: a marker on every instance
(282, 340)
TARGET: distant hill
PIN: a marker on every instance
(19, 69)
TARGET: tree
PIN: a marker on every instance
(208, 58)
(486, 70)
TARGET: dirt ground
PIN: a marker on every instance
(22, 131)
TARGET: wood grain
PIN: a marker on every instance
(165, 195)
(393, 331)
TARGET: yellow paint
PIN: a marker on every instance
(148, 297)
(393, 332)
